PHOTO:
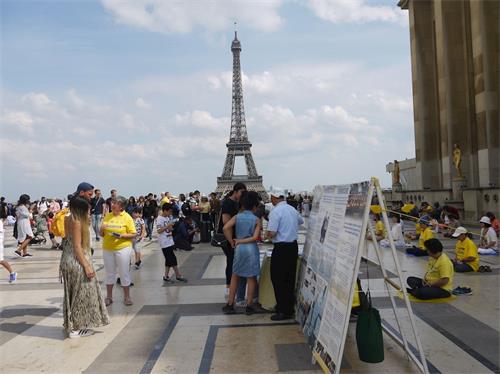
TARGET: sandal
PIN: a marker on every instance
(108, 301)
(128, 301)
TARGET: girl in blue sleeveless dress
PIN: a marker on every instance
(246, 255)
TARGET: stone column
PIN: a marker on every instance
(486, 52)
(454, 105)
(426, 115)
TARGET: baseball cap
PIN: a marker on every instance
(459, 231)
(486, 220)
(425, 220)
(84, 186)
(278, 196)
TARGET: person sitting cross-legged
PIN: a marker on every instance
(438, 279)
(426, 234)
(466, 256)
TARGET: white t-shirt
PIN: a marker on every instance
(42, 207)
(165, 239)
(397, 233)
(490, 236)
(1, 240)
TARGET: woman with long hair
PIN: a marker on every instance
(83, 305)
(24, 232)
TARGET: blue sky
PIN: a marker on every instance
(136, 95)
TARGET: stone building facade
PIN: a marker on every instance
(455, 54)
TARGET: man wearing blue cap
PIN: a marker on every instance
(85, 190)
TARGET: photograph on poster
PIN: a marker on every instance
(310, 303)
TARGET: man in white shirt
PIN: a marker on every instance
(283, 229)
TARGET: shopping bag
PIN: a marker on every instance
(369, 337)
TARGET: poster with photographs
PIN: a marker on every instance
(344, 272)
(328, 274)
(311, 220)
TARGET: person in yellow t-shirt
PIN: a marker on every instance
(438, 279)
(426, 234)
(165, 199)
(466, 255)
(118, 231)
(380, 231)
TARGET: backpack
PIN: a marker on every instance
(57, 226)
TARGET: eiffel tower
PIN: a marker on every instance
(239, 145)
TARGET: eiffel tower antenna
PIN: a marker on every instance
(239, 145)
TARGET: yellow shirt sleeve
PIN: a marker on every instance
(445, 269)
(471, 251)
(426, 235)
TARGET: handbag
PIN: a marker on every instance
(369, 337)
(218, 238)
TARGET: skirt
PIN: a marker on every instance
(246, 260)
(23, 230)
(83, 305)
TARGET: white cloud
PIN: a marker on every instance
(203, 120)
(142, 104)
(22, 120)
(184, 16)
(357, 11)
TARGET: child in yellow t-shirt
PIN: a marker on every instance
(438, 279)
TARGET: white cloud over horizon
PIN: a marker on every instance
(147, 106)
(356, 11)
(184, 16)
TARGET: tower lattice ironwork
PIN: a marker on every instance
(239, 145)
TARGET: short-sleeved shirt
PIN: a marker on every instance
(121, 224)
(465, 249)
(380, 228)
(442, 267)
(229, 206)
(165, 238)
(284, 220)
(489, 235)
(96, 205)
(139, 222)
(425, 235)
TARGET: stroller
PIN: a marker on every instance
(39, 227)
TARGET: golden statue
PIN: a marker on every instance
(395, 173)
(457, 159)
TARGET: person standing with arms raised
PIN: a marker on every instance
(283, 229)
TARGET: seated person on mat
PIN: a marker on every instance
(396, 234)
(380, 232)
(488, 242)
(438, 278)
(426, 234)
(466, 256)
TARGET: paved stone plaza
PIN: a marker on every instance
(180, 328)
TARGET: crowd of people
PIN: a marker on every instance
(86, 217)
(430, 223)
(178, 222)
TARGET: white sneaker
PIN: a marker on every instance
(80, 333)
(226, 293)
(241, 303)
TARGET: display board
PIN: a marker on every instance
(335, 241)
(329, 272)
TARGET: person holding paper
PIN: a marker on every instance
(283, 228)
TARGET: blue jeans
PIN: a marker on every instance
(149, 227)
(96, 224)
